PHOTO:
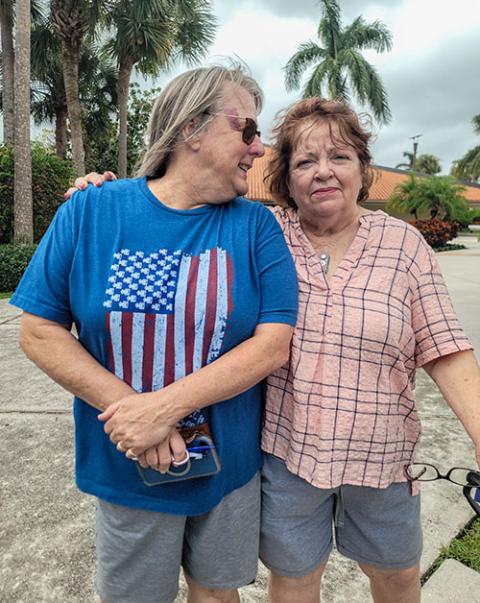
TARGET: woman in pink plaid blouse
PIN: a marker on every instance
(341, 421)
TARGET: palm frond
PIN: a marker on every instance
(337, 83)
(377, 96)
(329, 28)
(196, 26)
(317, 80)
(468, 167)
(357, 69)
(476, 124)
(306, 54)
(361, 35)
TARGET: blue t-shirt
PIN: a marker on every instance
(156, 293)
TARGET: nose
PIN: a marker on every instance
(257, 148)
(323, 169)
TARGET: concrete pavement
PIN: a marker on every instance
(46, 525)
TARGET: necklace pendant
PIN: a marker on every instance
(324, 258)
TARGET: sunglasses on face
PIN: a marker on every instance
(249, 129)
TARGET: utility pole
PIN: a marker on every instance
(415, 148)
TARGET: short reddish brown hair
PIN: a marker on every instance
(286, 132)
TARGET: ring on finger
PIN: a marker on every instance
(182, 461)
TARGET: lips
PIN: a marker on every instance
(244, 167)
(324, 191)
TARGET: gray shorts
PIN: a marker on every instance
(139, 553)
(374, 526)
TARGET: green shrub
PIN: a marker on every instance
(437, 232)
(13, 261)
(51, 177)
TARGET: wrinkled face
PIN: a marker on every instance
(226, 157)
(325, 173)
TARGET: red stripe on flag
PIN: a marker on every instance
(148, 343)
(127, 321)
(211, 305)
(190, 314)
(230, 285)
(169, 376)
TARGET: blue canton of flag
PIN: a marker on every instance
(143, 283)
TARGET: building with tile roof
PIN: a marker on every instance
(384, 183)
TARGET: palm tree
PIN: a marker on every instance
(405, 197)
(410, 164)
(97, 83)
(23, 212)
(8, 54)
(6, 31)
(468, 167)
(428, 164)
(441, 196)
(71, 20)
(425, 163)
(150, 35)
(339, 67)
(49, 100)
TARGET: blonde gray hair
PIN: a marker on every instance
(193, 94)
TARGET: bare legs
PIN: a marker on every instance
(394, 586)
(387, 586)
(284, 589)
(200, 594)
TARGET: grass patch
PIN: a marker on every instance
(6, 294)
(464, 548)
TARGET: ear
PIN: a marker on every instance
(191, 134)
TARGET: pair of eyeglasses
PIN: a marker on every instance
(469, 479)
(249, 129)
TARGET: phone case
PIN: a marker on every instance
(203, 461)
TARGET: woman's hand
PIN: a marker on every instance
(138, 422)
(161, 457)
(91, 178)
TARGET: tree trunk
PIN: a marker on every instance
(70, 58)
(6, 29)
(124, 75)
(61, 132)
(23, 212)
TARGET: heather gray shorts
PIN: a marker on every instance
(139, 553)
(374, 526)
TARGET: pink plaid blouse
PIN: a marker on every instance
(342, 411)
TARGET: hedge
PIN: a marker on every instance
(13, 261)
(437, 232)
(51, 177)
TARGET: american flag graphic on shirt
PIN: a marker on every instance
(166, 314)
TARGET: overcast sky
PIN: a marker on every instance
(432, 74)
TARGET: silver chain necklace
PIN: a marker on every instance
(324, 258)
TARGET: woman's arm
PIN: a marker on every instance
(142, 420)
(458, 378)
(53, 348)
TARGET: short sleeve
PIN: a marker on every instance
(278, 278)
(437, 329)
(44, 287)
